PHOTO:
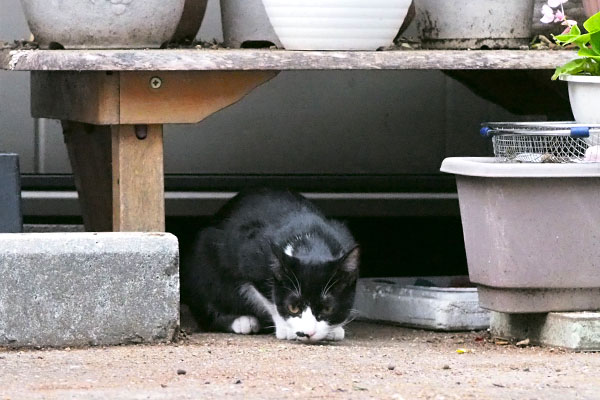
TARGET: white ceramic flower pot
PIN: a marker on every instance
(584, 94)
(336, 24)
(78, 24)
(461, 24)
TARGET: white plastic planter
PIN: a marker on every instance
(584, 94)
(336, 24)
(532, 233)
(77, 24)
(460, 24)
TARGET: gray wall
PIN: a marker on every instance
(300, 122)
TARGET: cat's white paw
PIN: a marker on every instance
(245, 325)
(336, 334)
(283, 333)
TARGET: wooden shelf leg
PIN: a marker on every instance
(138, 178)
(89, 148)
(118, 173)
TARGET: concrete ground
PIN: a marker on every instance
(375, 361)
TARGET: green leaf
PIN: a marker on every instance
(595, 42)
(579, 40)
(583, 40)
(592, 25)
(563, 38)
(573, 67)
(575, 30)
(588, 53)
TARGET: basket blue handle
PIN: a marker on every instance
(580, 131)
(575, 132)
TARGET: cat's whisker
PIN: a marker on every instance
(345, 322)
(327, 289)
(297, 282)
(296, 286)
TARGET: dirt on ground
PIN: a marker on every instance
(373, 362)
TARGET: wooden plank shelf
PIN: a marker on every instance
(113, 103)
(279, 60)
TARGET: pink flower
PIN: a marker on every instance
(559, 16)
(548, 14)
(556, 3)
(551, 15)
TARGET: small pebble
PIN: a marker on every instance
(446, 366)
(526, 370)
(181, 372)
(391, 367)
(238, 382)
(162, 385)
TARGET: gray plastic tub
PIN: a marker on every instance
(532, 233)
(451, 304)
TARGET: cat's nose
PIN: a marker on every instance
(307, 334)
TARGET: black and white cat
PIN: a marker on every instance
(271, 259)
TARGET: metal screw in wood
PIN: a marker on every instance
(155, 82)
(141, 131)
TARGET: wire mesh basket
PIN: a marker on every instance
(539, 142)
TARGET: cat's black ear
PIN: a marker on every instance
(350, 261)
(277, 261)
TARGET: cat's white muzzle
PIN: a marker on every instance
(307, 328)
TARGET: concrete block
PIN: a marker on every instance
(441, 307)
(570, 330)
(75, 289)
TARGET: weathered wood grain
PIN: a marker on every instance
(138, 196)
(126, 98)
(90, 97)
(247, 59)
(90, 152)
(183, 96)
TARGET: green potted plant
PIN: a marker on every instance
(582, 73)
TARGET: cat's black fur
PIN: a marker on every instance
(246, 244)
